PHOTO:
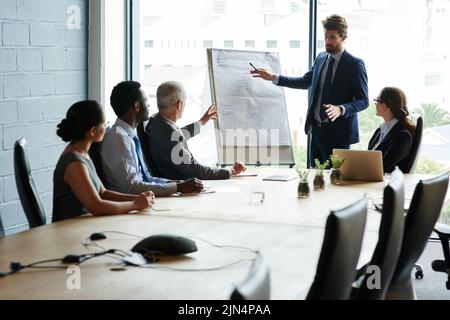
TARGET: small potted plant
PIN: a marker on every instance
(303, 185)
(336, 163)
(319, 180)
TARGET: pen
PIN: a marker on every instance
(253, 66)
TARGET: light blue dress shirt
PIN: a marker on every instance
(121, 164)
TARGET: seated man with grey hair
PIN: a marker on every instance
(167, 143)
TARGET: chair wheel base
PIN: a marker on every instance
(419, 274)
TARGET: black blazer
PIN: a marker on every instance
(396, 147)
(172, 159)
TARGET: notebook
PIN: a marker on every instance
(246, 174)
(281, 177)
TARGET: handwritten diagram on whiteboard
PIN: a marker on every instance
(251, 111)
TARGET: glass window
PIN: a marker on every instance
(219, 24)
(294, 44)
(413, 56)
(249, 43)
(267, 3)
(115, 48)
(295, 7)
(271, 44)
(228, 44)
(148, 43)
(207, 43)
(320, 44)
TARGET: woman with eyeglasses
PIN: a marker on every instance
(77, 188)
(394, 137)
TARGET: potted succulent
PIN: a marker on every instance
(303, 185)
(319, 180)
(336, 163)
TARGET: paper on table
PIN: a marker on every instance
(204, 191)
(227, 189)
(281, 177)
(245, 174)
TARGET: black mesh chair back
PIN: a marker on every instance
(411, 162)
(257, 284)
(95, 155)
(339, 257)
(423, 213)
(390, 237)
(2, 229)
(26, 188)
(443, 232)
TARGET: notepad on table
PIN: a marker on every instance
(246, 174)
(281, 177)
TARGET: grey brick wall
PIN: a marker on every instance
(43, 70)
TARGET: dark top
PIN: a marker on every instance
(349, 88)
(396, 147)
(65, 203)
(169, 152)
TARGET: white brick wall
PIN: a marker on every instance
(43, 70)
(7, 60)
(16, 85)
(16, 34)
(31, 110)
(43, 34)
(8, 112)
(11, 133)
(54, 59)
(8, 9)
(29, 60)
(42, 84)
(1, 188)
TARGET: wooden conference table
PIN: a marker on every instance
(286, 230)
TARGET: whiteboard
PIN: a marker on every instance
(252, 116)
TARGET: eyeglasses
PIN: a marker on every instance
(378, 100)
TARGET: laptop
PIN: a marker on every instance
(364, 165)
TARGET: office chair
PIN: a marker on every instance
(95, 155)
(2, 229)
(151, 165)
(422, 215)
(339, 256)
(411, 162)
(28, 194)
(410, 167)
(387, 250)
(443, 232)
(256, 286)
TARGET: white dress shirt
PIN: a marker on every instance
(121, 164)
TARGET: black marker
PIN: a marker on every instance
(253, 66)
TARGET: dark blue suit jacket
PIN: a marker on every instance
(349, 89)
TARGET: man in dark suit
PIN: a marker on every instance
(167, 143)
(337, 84)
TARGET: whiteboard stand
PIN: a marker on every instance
(229, 81)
